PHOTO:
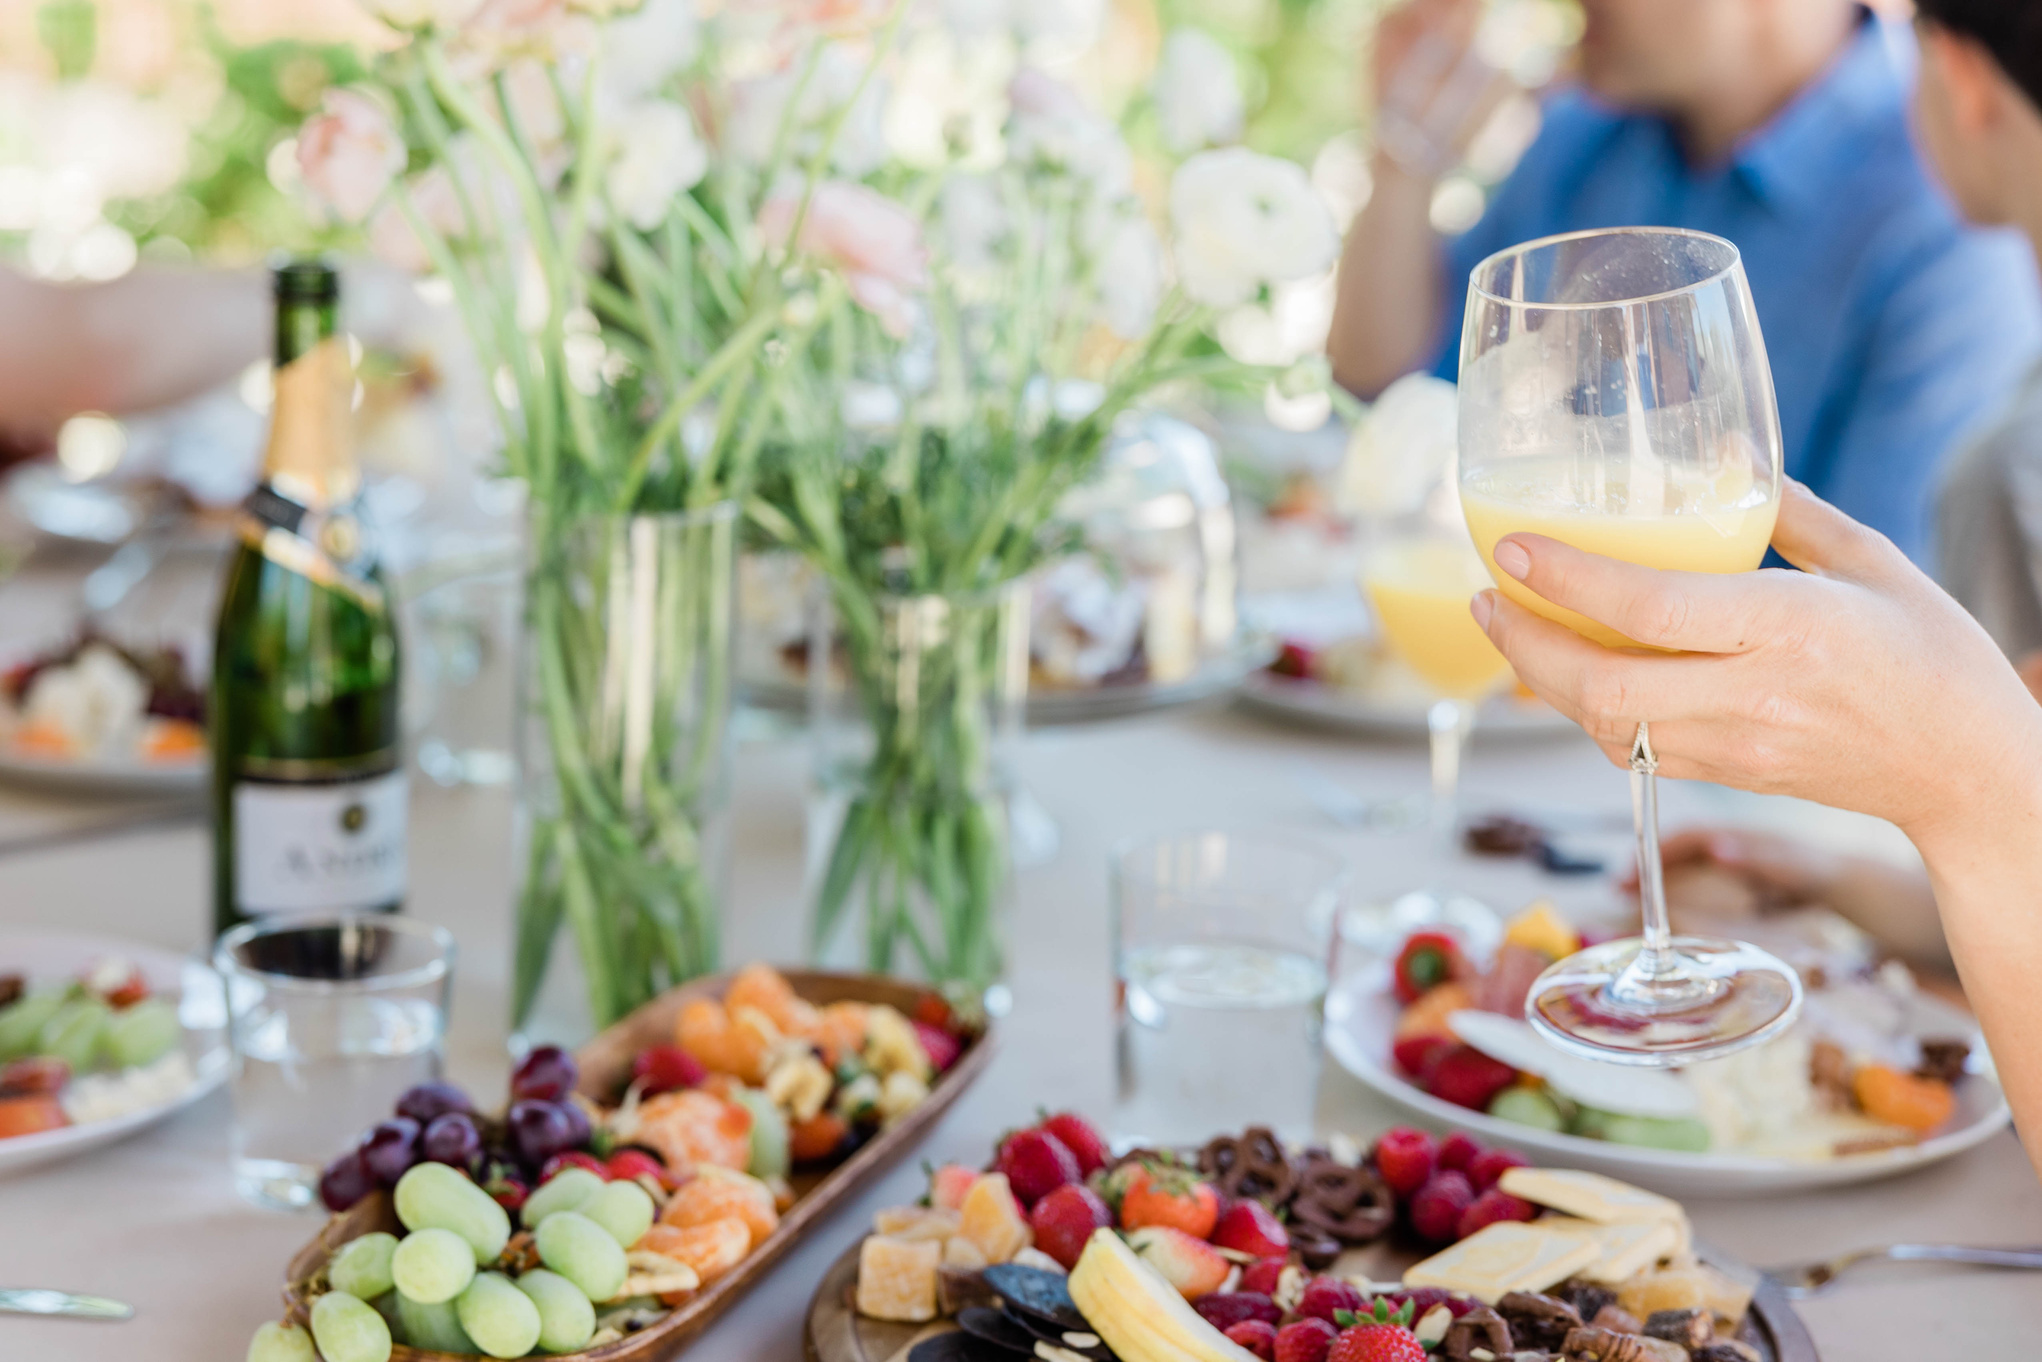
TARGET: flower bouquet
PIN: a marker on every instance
(1020, 300)
(622, 202)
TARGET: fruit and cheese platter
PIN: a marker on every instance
(628, 1193)
(1877, 1078)
(95, 714)
(1418, 1248)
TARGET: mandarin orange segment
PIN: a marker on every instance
(172, 740)
(711, 1249)
(693, 1127)
(42, 738)
(1920, 1104)
(1427, 1016)
(726, 1042)
(843, 1029)
(715, 1198)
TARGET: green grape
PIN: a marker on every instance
(431, 1266)
(141, 1034)
(566, 1190)
(1527, 1108)
(362, 1267)
(583, 1252)
(386, 1306)
(769, 1157)
(281, 1343)
(566, 1319)
(72, 1033)
(501, 1319)
(435, 1328)
(623, 1209)
(348, 1329)
(22, 1021)
(432, 1196)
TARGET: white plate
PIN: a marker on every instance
(105, 777)
(50, 956)
(1361, 1018)
(1395, 715)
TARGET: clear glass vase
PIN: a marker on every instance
(914, 703)
(624, 764)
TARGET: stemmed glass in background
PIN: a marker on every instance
(1615, 396)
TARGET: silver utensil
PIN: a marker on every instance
(35, 1300)
(1808, 1278)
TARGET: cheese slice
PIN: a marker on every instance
(1590, 1196)
(1626, 1248)
(1510, 1255)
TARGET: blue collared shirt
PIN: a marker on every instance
(1893, 329)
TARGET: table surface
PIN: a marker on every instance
(155, 1221)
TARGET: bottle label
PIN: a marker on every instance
(319, 848)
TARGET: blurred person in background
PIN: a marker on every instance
(1780, 124)
(147, 339)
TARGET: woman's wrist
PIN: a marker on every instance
(1988, 817)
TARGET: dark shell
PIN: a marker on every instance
(997, 1328)
(956, 1346)
(1061, 1336)
(1037, 1294)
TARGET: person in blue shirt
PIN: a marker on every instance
(1893, 329)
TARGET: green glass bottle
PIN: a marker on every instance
(309, 792)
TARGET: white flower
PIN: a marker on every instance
(1198, 97)
(1052, 128)
(948, 101)
(642, 51)
(1129, 270)
(1243, 220)
(759, 105)
(349, 152)
(974, 221)
(660, 157)
(421, 14)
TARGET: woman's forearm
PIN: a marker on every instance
(1386, 316)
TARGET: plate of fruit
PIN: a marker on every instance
(1357, 685)
(1246, 1249)
(98, 1039)
(629, 1193)
(1876, 1078)
(99, 715)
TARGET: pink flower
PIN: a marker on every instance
(875, 242)
(517, 18)
(349, 152)
(433, 198)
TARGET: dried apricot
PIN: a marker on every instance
(1427, 1016)
(714, 1197)
(712, 1248)
(694, 1127)
(29, 1115)
(1920, 1104)
(816, 1138)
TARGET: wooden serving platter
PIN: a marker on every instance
(836, 1332)
(605, 1068)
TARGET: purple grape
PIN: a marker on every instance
(577, 1125)
(540, 1130)
(346, 1180)
(390, 1148)
(427, 1101)
(546, 1075)
(451, 1139)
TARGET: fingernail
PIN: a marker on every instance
(1483, 606)
(1512, 558)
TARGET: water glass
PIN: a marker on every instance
(331, 1020)
(1223, 944)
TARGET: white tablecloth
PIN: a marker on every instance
(156, 1221)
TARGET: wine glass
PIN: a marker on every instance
(1615, 396)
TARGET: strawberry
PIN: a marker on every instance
(1381, 1335)
(1326, 1296)
(1065, 1219)
(1468, 1078)
(1492, 1164)
(667, 1068)
(1036, 1164)
(1406, 1158)
(1490, 1207)
(1295, 660)
(1191, 1265)
(1436, 1209)
(1263, 1274)
(1258, 1336)
(1415, 1055)
(1155, 1194)
(1249, 1227)
(1427, 959)
(1304, 1340)
(1079, 1136)
(939, 1045)
(948, 1184)
(629, 1165)
(1224, 1309)
(1458, 1151)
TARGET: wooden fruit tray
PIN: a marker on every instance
(605, 1067)
(836, 1332)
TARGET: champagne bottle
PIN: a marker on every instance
(309, 791)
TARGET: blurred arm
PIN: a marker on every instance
(151, 337)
